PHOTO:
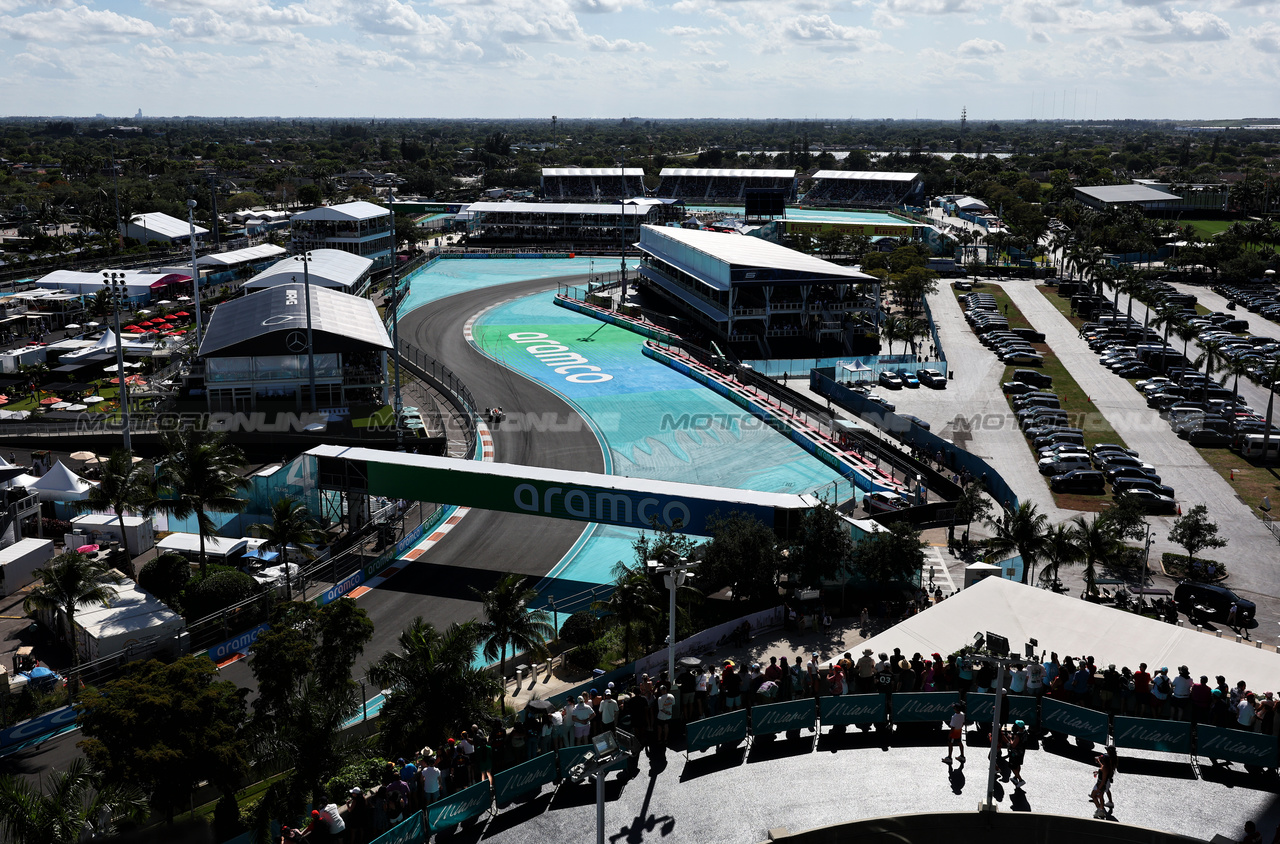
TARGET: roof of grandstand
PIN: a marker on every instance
(1127, 193)
(610, 208)
(865, 175)
(591, 171)
(727, 174)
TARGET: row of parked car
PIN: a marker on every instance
(1073, 468)
(1258, 297)
(907, 378)
(1012, 346)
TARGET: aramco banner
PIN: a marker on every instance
(729, 728)
(524, 778)
(852, 709)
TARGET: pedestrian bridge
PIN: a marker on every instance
(560, 494)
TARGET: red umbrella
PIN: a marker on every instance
(148, 322)
(182, 313)
(87, 549)
(131, 328)
(50, 400)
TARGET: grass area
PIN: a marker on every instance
(246, 795)
(1003, 303)
(1252, 480)
(1209, 228)
(383, 416)
(1063, 305)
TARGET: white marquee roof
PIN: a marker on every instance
(1068, 626)
(327, 268)
(604, 208)
(164, 225)
(1128, 193)
(727, 173)
(347, 211)
(240, 256)
(865, 175)
(591, 171)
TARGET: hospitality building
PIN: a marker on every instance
(360, 228)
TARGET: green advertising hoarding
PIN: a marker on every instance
(783, 717)
(1012, 708)
(466, 804)
(1236, 746)
(1153, 734)
(1073, 720)
(852, 709)
(729, 728)
(408, 831)
(524, 778)
(923, 706)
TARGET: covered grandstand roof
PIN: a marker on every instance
(262, 323)
(1117, 194)
(720, 259)
(347, 211)
(326, 268)
(592, 171)
(165, 226)
(240, 256)
(613, 209)
(727, 174)
(865, 175)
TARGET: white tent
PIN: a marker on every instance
(1069, 626)
(61, 484)
(105, 343)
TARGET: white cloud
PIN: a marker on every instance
(882, 18)
(980, 47)
(600, 44)
(932, 7)
(1265, 37)
(824, 33)
(79, 24)
(604, 6)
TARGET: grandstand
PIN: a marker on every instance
(862, 188)
(591, 184)
(698, 184)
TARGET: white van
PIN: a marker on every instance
(1251, 446)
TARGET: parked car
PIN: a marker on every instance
(1085, 481)
(908, 378)
(1122, 484)
(1017, 388)
(890, 379)
(882, 401)
(1215, 598)
(1060, 464)
(1127, 472)
(932, 378)
(1032, 376)
(884, 502)
(1153, 503)
(915, 420)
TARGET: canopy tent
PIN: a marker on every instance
(1068, 626)
(61, 484)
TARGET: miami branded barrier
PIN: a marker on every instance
(922, 706)
(570, 756)
(1153, 734)
(1013, 708)
(1236, 746)
(408, 831)
(471, 802)
(1073, 720)
(524, 778)
(729, 728)
(852, 709)
(782, 717)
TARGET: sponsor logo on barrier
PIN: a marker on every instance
(455, 810)
(39, 726)
(614, 507)
(341, 588)
(562, 360)
(763, 718)
(1148, 735)
(410, 539)
(1241, 747)
(920, 710)
(731, 729)
(408, 831)
(853, 710)
(1074, 720)
(237, 644)
(525, 778)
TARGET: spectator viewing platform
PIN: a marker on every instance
(569, 223)
(591, 184)
(702, 184)
(862, 188)
(326, 268)
(360, 228)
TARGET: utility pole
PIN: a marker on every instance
(395, 320)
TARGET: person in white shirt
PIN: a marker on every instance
(1035, 677)
(666, 710)
(713, 692)
(582, 715)
(608, 710)
(956, 737)
(429, 774)
(1182, 693)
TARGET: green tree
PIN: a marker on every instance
(433, 685)
(508, 621)
(972, 505)
(1195, 532)
(632, 606)
(71, 804)
(1023, 531)
(200, 475)
(124, 487)
(743, 554)
(291, 527)
(70, 581)
(165, 577)
(822, 546)
(165, 728)
(892, 555)
(1060, 549)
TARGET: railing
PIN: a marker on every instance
(442, 378)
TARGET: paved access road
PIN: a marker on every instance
(1253, 549)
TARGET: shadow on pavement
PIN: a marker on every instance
(722, 759)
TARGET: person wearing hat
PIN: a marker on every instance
(866, 668)
(608, 711)
(1220, 712)
(1017, 751)
(359, 816)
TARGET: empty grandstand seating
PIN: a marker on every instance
(586, 184)
(862, 189)
(697, 184)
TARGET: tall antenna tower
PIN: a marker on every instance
(964, 119)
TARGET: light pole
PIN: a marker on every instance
(195, 272)
(1001, 661)
(116, 291)
(674, 573)
(305, 258)
(115, 182)
(395, 319)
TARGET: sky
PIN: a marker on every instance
(1000, 59)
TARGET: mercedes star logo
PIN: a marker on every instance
(296, 341)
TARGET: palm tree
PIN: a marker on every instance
(199, 476)
(632, 604)
(972, 504)
(509, 621)
(433, 683)
(74, 805)
(70, 581)
(891, 329)
(1096, 541)
(1060, 549)
(125, 487)
(290, 526)
(1023, 531)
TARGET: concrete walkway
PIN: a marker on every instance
(1253, 549)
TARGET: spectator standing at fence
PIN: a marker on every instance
(955, 738)
(359, 816)
(731, 687)
(1180, 693)
(687, 683)
(1201, 699)
(1035, 677)
(1161, 689)
(582, 714)
(431, 779)
(666, 712)
(713, 692)
(699, 698)
(866, 668)
(608, 711)
(1142, 690)
(1109, 690)
(1245, 714)
(1221, 713)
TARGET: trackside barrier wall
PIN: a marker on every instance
(411, 830)
(955, 457)
(653, 333)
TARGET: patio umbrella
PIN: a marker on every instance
(61, 405)
(184, 298)
(50, 400)
(92, 399)
(111, 368)
(93, 324)
(87, 549)
(144, 311)
(78, 407)
(82, 455)
(71, 325)
(182, 313)
(3, 399)
(131, 328)
(164, 302)
(540, 705)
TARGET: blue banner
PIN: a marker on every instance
(1012, 708)
(38, 726)
(1235, 746)
(852, 709)
(729, 728)
(923, 706)
(1153, 734)
(340, 588)
(465, 805)
(782, 717)
(408, 831)
(236, 644)
(523, 778)
(1073, 720)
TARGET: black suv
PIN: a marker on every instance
(1216, 599)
